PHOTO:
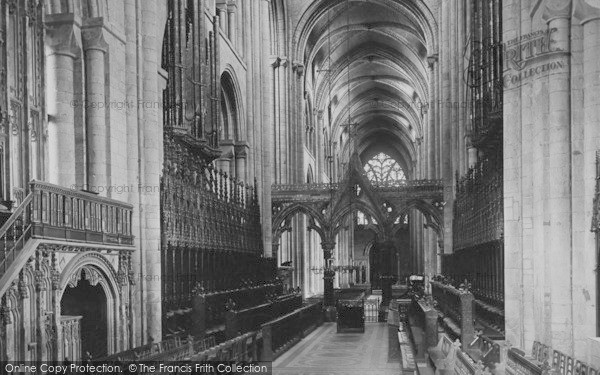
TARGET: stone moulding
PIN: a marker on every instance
(596, 212)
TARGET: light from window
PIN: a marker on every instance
(383, 170)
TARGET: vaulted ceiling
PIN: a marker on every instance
(367, 61)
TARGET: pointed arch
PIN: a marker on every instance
(231, 106)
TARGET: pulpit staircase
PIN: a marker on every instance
(15, 234)
(51, 213)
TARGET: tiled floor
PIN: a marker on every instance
(325, 352)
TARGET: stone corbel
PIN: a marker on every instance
(584, 12)
(93, 35)
(557, 9)
(298, 67)
(274, 61)
(432, 60)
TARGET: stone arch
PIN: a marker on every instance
(83, 9)
(278, 27)
(98, 271)
(310, 176)
(12, 325)
(290, 211)
(311, 132)
(433, 215)
(356, 206)
(231, 106)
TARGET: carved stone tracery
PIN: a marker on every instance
(328, 205)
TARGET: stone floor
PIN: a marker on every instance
(325, 352)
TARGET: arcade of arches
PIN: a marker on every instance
(168, 167)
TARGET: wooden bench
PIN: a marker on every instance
(409, 366)
(518, 364)
(544, 360)
(443, 355)
(465, 365)
(486, 350)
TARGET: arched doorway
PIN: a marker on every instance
(90, 302)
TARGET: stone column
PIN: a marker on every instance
(589, 17)
(266, 101)
(446, 132)
(222, 14)
(95, 47)
(227, 151)
(241, 155)
(133, 143)
(472, 155)
(557, 14)
(387, 273)
(152, 166)
(467, 328)
(232, 24)
(329, 275)
(61, 51)
(513, 266)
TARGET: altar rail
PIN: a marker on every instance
(280, 334)
(238, 322)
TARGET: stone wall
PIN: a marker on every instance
(551, 135)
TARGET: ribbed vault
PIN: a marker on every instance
(366, 65)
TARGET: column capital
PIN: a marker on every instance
(585, 12)
(557, 9)
(231, 6)
(60, 35)
(227, 148)
(92, 35)
(241, 150)
(327, 247)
